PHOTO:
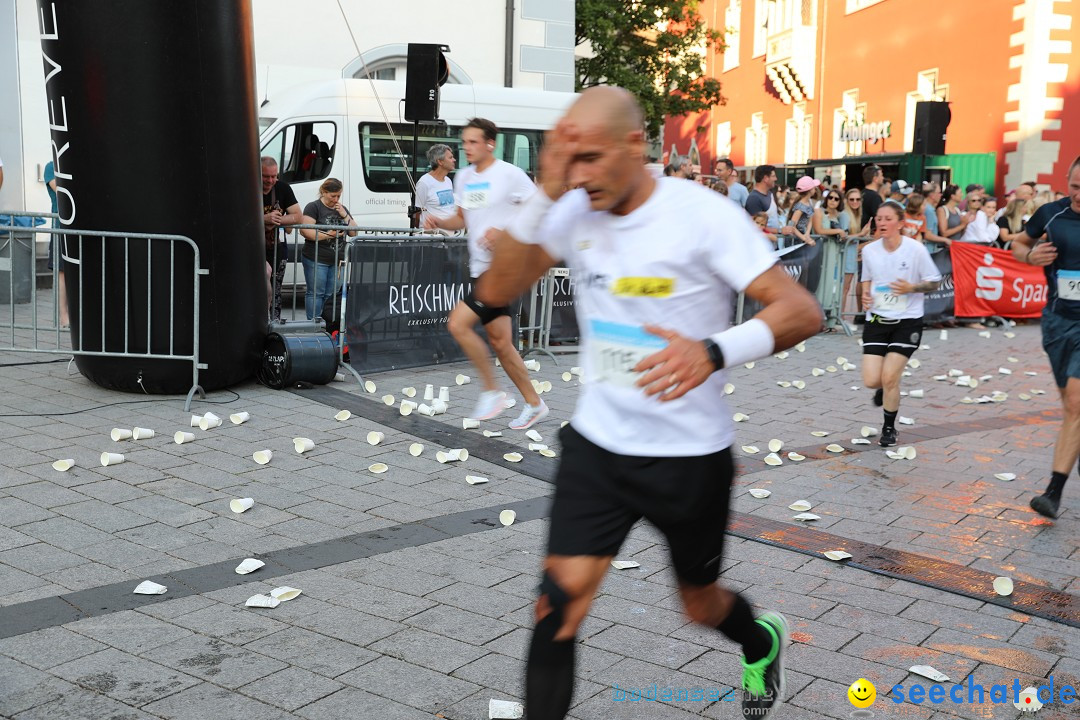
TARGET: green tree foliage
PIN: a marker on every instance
(653, 48)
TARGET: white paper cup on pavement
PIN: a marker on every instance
(285, 593)
(444, 394)
(507, 517)
(249, 565)
(63, 465)
(239, 418)
(944, 335)
(262, 601)
(426, 410)
(148, 587)
(475, 479)
(339, 377)
(439, 406)
(369, 386)
(240, 505)
(917, 393)
(407, 407)
(302, 444)
(577, 370)
(505, 710)
(463, 379)
(262, 456)
(388, 399)
(415, 449)
(342, 415)
(209, 420)
(375, 437)
(195, 420)
(460, 454)
(408, 392)
(429, 392)
(534, 436)
(118, 434)
(470, 423)
(536, 447)
(108, 458)
(141, 433)
(181, 437)
(1003, 586)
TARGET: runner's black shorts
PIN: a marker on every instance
(881, 336)
(485, 313)
(599, 495)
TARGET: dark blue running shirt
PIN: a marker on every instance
(1062, 228)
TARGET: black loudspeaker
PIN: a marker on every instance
(425, 72)
(931, 121)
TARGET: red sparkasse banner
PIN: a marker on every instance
(989, 281)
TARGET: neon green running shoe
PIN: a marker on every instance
(763, 681)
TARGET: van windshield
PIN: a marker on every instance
(383, 171)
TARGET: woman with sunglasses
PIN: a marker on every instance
(851, 209)
(951, 221)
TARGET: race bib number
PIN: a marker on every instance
(656, 287)
(476, 195)
(617, 348)
(886, 299)
(1068, 284)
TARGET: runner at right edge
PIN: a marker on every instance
(658, 265)
(1052, 240)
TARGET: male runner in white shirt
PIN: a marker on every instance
(658, 264)
(488, 193)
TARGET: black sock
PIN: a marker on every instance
(890, 418)
(1057, 484)
(549, 673)
(741, 627)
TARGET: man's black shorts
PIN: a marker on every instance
(486, 314)
(600, 495)
(881, 336)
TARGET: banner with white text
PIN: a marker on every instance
(990, 281)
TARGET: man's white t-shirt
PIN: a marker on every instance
(489, 199)
(911, 262)
(676, 262)
(435, 197)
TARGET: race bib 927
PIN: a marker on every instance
(615, 349)
(1068, 284)
(886, 299)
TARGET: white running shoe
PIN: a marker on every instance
(530, 416)
(490, 404)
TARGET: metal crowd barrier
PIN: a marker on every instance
(537, 337)
(25, 328)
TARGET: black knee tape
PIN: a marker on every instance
(557, 597)
(549, 677)
(544, 647)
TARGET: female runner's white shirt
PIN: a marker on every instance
(677, 261)
(911, 261)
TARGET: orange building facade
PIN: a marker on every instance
(828, 79)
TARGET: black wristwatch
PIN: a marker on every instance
(716, 355)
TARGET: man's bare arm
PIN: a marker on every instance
(514, 268)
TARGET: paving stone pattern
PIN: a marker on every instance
(438, 628)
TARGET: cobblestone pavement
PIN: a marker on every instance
(417, 604)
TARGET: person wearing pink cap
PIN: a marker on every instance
(803, 209)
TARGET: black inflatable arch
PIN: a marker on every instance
(152, 113)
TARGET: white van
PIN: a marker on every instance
(337, 129)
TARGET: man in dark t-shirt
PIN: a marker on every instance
(1051, 240)
(279, 208)
(873, 177)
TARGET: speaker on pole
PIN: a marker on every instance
(931, 122)
(425, 72)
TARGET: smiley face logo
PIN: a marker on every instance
(862, 693)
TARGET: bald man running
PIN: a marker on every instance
(658, 263)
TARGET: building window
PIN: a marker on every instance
(757, 141)
(851, 112)
(927, 89)
(797, 135)
(731, 23)
(723, 139)
(856, 5)
(761, 26)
